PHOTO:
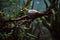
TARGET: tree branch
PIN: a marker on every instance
(36, 14)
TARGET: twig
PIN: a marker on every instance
(46, 3)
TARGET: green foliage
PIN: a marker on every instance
(13, 1)
(22, 34)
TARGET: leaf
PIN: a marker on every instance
(31, 35)
(26, 28)
(22, 34)
(23, 27)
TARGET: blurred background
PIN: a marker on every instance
(43, 28)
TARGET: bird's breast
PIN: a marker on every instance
(32, 11)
